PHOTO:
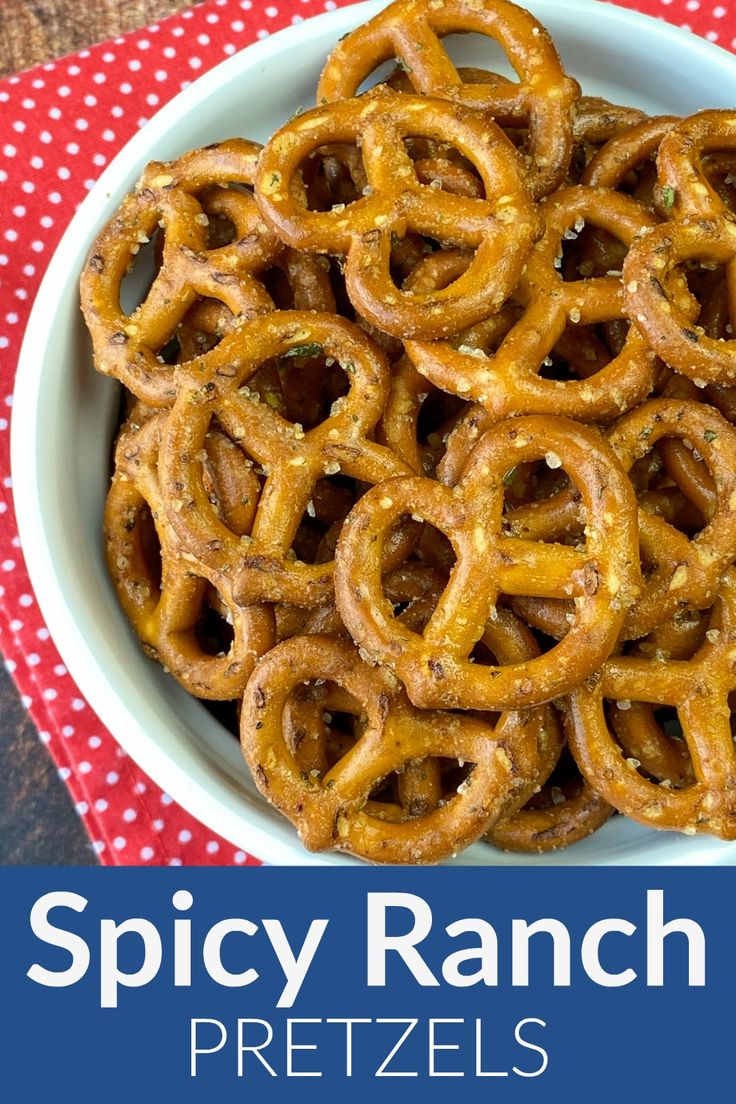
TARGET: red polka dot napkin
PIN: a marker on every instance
(60, 124)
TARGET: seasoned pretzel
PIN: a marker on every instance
(557, 817)
(332, 808)
(508, 382)
(684, 573)
(698, 688)
(500, 228)
(169, 195)
(603, 577)
(703, 229)
(165, 602)
(259, 565)
(411, 30)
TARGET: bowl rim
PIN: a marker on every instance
(226, 814)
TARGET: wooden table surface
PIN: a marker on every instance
(38, 823)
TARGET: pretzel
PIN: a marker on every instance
(411, 30)
(557, 817)
(684, 573)
(331, 804)
(703, 229)
(259, 565)
(698, 688)
(500, 228)
(508, 382)
(435, 666)
(172, 196)
(165, 602)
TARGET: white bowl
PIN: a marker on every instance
(64, 415)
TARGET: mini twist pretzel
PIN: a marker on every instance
(258, 564)
(171, 195)
(557, 817)
(500, 228)
(165, 613)
(683, 573)
(508, 382)
(627, 151)
(332, 809)
(702, 229)
(686, 572)
(602, 578)
(698, 688)
(543, 98)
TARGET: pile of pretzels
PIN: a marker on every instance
(426, 470)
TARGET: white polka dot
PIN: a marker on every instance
(26, 701)
(78, 704)
(158, 824)
(108, 135)
(126, 88)
(228, 48)
(38, 83)
(143, 43)
(117, 112)
(67, 730)
(9, 150)
(108, 57)
(146, 853)
(16, 625)
(213, 847)
(134, 64)
(212, 18)
(237, 25)
(10, 666)
(119, 843)
(140, 788)
(54, 197)
(11, 319)
(19, 210)
(166, 799)
(28, 187)
(43, 634)
(712, 36)
(185, 835)
(64, 773)
(11, 235)
(90, 100)
(271, 12)
(26, 600)
(98, 846)
(45, 737)
(177, 32)
(84, 767)
(73, 70)
(45, 137)
(239, 856)
(36, 162)
(94, 742)
(112, 777)
(101, 805)
(99, 159)
(8, 565)
(29, 270)
(161, 75)
(129, 815)
(33, 659)
(195, 63)
(80, 124)
(152, 99)
(203, 39)
(99, 78)
(692, 5)
(174, 862)
(82, 807)
(262, 34)
(3, 258)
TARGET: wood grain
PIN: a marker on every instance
(38, 823)
(32, 31)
